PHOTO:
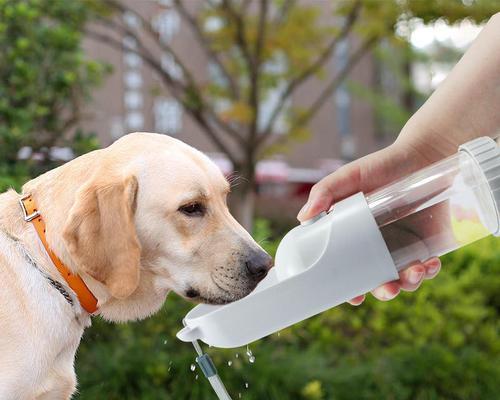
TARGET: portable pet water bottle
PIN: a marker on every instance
(361, 243)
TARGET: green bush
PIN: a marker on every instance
(13, 177)
(441, 342)
(45, 77)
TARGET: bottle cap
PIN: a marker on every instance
(485, 152)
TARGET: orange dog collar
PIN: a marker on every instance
(85, 297)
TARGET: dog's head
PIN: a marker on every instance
(153, 217)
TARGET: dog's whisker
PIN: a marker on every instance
(236, 179)
(263, 241)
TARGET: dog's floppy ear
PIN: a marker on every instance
(100, 234)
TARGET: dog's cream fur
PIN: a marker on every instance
(115, 217)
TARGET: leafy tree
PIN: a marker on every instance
(263, 46)
(44, 74)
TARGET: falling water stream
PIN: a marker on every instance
(208, 369)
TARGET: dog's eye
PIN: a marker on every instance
(193, 209)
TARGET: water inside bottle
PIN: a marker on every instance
(434, 211)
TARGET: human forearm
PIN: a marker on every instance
(466, 105)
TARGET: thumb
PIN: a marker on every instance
(363, 175)
(336, 186)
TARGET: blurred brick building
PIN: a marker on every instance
(133, 99)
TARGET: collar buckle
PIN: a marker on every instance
(28, 217)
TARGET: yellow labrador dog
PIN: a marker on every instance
(135, 220)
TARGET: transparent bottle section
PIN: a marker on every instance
(435, 210)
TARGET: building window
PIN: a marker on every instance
(129, 42)
(170, 66)
(213, 24)
(342, 99)
(133, 100)
(166, 3)
(267, 107)
(343, 104)
(276, 66)
(216, 76)
(133, 80)
(132, 60)
(221, 105)
(116, 127)
(135, 120)
(168, 116)
(167, 24)
(131, 20)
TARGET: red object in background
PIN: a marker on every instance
(272, 171)
(303, 189)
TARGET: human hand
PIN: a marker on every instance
(365, 175)
(458, 111)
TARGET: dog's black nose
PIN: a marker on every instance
(258, 264)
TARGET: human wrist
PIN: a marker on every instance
(428, 140)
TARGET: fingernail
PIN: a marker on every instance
(415, 277)
(386, 295)
(357, 301)
(432, 269)
(303, 210)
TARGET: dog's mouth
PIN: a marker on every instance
(215, 301)
(212, 300)
(225, 295)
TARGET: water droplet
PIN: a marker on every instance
(251, 357)
(165, 341)
(237, 355)
(229, 363)
(193, 367)
(246, 385)
(196, 377)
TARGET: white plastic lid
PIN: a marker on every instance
(485, 152)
